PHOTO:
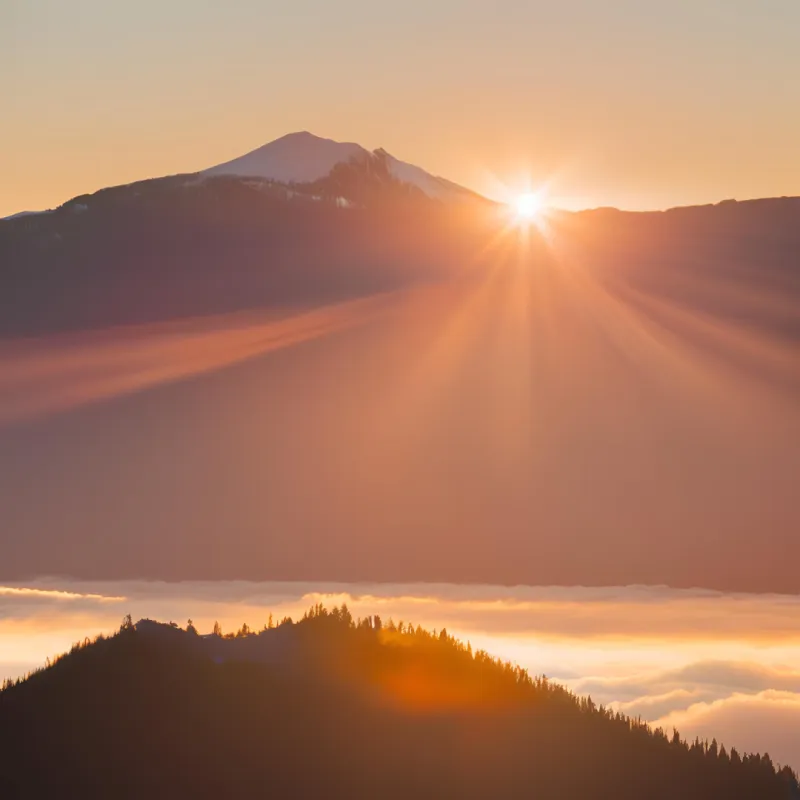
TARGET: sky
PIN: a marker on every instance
(605, 102)
(710, 664)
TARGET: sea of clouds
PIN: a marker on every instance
(709, 663)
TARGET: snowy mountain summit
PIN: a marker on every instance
(301, 157)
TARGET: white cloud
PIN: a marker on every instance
(53, 594)
(768, 721)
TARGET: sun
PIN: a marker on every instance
(528, 207)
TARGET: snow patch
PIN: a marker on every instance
(195, 180)
(21, 214)
(305, 158)
(434, 187)
(295, 158)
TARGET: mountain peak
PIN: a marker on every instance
(303, 136)
(299, 157)
(303, 157)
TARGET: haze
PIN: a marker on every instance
(582, 405)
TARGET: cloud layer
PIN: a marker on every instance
(713, 665)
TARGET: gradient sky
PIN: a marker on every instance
(634, 103)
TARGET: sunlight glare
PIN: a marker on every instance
(528, 206)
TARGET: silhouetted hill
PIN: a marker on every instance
(191, 244)
(330, 707)
(195, 244)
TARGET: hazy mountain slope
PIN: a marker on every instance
(615, 401)
(328, 708)
(189, 245)
(21, 214)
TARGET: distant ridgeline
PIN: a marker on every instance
(215, 242)
(193, 244)
(336, 708)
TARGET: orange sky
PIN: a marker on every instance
(639, 105)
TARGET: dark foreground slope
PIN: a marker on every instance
(331, 708)
(189, 245)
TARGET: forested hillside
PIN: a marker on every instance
(334, 707)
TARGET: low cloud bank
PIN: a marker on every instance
(767, 721)
(713, 665)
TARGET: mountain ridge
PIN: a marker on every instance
(303, 157)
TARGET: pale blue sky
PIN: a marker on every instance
(632, 103)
